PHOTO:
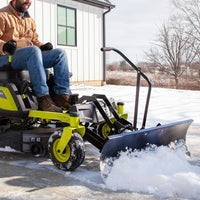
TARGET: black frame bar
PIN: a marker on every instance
(139, 74)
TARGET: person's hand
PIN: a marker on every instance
(10, 47)
(46, 47)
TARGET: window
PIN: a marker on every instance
(66, 26)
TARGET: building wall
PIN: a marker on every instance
(85, 60)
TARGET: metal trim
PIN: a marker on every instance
(96, 3)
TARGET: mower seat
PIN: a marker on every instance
(18, 87)
(17, 95)
(11, 75)
(21, 78)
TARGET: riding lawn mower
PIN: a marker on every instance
(100, 121)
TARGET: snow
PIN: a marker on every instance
(161, 173)
(8, 149)
(166, 105)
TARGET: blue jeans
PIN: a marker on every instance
(35, 61)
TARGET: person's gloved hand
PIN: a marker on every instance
(10, 47)
(46, 47)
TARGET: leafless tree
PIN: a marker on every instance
(189, 11)
(172, 52)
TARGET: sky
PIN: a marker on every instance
(133, 25)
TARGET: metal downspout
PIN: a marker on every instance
(104, 45)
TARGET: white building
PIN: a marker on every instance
(78, 26)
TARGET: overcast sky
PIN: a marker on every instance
(133, 25)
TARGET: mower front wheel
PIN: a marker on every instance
(73, 155)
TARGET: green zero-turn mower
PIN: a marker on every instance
(61, 136)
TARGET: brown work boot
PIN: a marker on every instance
(62, 100)
(45, 103)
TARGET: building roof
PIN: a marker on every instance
(98, 3)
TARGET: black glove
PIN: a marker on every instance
(46, 47)
(10, 47)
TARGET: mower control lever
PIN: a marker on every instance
(10, 47)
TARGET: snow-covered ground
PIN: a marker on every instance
(160, 174)
(166, 105)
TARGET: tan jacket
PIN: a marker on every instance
(13, 26)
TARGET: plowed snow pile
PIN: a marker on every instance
(161, 171)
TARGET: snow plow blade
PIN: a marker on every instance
(159, 135)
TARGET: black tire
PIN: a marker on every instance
(73, 155)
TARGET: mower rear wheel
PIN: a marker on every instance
(73, 155)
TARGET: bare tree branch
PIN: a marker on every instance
(174, 51)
